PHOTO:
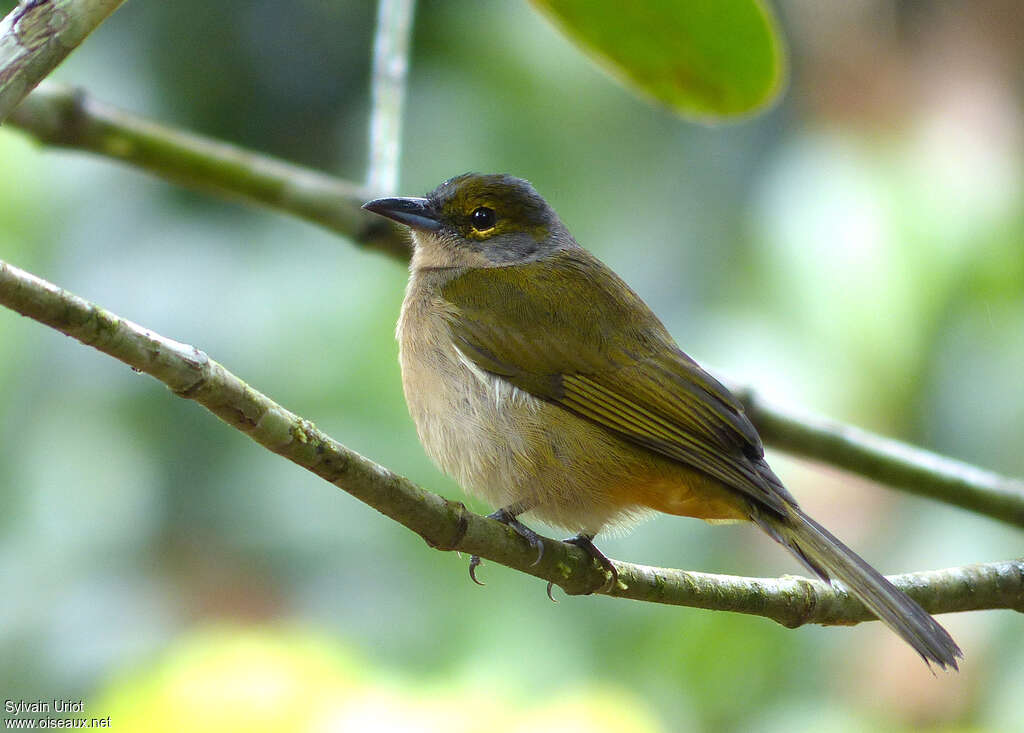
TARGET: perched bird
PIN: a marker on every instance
(542, 383)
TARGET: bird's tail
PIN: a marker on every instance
(829, 559)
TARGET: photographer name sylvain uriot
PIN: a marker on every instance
(20, 707)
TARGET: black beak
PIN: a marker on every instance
(414, 213)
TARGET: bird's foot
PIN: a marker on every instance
(507, 518)
(586, 543)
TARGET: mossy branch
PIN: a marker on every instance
(61, 116)
(448, 525)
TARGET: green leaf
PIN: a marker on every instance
(705, 59)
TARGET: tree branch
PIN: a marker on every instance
(60, 116)
(390, 67)
(448, 525)
(64, 117)
(888, 461)
(36, 36)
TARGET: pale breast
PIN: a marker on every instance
(464, 422)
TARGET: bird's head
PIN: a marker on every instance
(477, 220)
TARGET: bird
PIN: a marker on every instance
(543, 384)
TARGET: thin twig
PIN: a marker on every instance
(448, 525)
(60, 116)
(36, 36)
(390, 68)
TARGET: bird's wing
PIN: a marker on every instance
(581, 339)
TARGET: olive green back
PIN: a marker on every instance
(568, 330)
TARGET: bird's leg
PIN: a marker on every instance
(586, 543)
(507, 516)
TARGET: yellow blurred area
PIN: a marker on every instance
(262, 680)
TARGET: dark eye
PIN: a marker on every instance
(482, 218)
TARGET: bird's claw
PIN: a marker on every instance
(586, 543)
(509, 520)
(474, 563)
(537, 544)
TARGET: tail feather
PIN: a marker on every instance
(828, 558)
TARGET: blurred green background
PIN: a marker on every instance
(857, 251)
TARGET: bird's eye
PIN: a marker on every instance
(482, 218)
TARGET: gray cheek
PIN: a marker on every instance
(513, 248)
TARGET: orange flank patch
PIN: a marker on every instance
(688, 494)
